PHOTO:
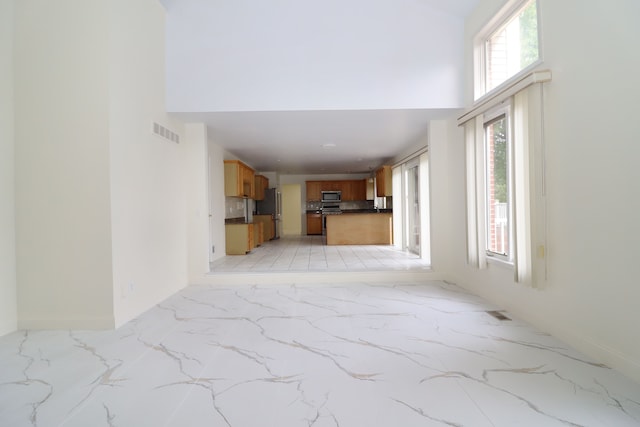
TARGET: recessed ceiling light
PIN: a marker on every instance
(328, 146)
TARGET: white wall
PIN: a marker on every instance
(299, 55)
(196, 168)
(593, 199)
(63, 222)
(148, 181)
(102, 213)
(216, 200)
(441, 193)
(8, 290)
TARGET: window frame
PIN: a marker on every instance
(508, 12)
(503, 111)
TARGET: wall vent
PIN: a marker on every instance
(498, 315)
(163, 132)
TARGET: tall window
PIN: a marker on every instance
(508, 45)
(498, 201)
(504, 146)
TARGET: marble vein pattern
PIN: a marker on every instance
(296, 355)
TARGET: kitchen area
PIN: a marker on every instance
(343, 212)
(252, 209)
(351, 212)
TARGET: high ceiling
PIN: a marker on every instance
(315, 88)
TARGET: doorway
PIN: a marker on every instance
(291, 209)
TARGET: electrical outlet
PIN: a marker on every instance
(213, 249)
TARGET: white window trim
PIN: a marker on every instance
(503, 93)
(504, 109)
(479, 51)
(529, 268)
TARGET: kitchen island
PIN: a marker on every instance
(360, 229)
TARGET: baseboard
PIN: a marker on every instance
(101, 323)
(611, 357)
(7, 328)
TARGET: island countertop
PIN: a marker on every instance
(360, 229)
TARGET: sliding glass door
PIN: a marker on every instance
(412, 206)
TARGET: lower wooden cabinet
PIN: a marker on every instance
(314, 223)
(239, 238)
(258, 234)
(269, 230)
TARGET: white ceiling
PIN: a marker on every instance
(317, 142)
(350, 85)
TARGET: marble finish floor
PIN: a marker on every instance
(299, 355)
(310, 253)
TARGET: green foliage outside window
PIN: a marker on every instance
(529, 35)
(500, 161)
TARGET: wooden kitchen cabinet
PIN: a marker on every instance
(314, 223)
(261, 184)
(354, 190)
(360, 229)
(314, 191)
(239, 179)
(345, 189)
(239, 238)
(268, 223)
(258, 234)
(383, 182)
(331, 185)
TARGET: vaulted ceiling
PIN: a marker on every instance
(328, 86)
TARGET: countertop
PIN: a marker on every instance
(239, 220)
(349, 211)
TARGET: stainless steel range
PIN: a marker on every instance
(329, 209)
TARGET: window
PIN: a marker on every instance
(507, 45)
(505, 191)
(504, 147)
(498, 200)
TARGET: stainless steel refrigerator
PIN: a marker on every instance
(271, 205)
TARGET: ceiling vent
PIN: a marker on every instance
(163, 132)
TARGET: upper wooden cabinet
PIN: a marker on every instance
(352, 190)
(332, 185)
(314, 191)
(383, 182)
(261, 184)
(239, 179)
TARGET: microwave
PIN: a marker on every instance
(331, 196)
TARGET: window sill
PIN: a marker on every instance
(500, 263)
(504, 91)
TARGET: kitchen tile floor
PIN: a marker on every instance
(310, 253)
(331, 355)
